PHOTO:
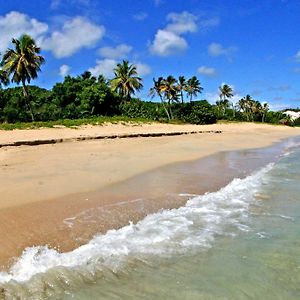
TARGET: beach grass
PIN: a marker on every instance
(74, 123)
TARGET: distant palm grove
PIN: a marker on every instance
(86, 96)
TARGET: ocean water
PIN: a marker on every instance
(240, 242)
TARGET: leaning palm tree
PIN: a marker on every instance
(182, 85)
(193, 87)
(23, 63)
(170, 90)
(157, 90)
(126, 82)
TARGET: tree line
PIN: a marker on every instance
(85, 95)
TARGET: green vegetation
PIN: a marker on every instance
(85, 99)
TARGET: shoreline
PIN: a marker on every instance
(141, 168)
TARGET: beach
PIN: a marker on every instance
(43, 187)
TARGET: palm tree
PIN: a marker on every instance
(23, 63)
(157, 90)
(265, 108)
(225, 92)
(4, 79)
(182, 85)
(126, 81)
(193, 87)
(247, 106)
(170, 90)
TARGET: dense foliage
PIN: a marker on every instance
(87, 97)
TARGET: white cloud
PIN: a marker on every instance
(216, 49)
(56, 3)
(143, 69)
(211, 22)
(104, 66)
(167, 43)
(280, 88)
(207, 71)
(297, 56)
(64, 70)
(158, 2)
(169, 40)
(140, 16)
(212, 97)
(76, 33)
(118, 52)
(181, 23)
(14, 24)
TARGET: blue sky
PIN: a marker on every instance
(252, 45)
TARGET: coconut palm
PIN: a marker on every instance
(4, 79)
(264, 110)
(170, 90)
(157, 90)
(193, 87)
(225, 93)
(23, 63)
(126, 82)
(182, 85)
(247, 106)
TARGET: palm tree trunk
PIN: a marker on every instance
(181, 97)
(27, 102)
(163, 104)
(170, 110)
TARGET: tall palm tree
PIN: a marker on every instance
(225, 93)
(157, 90)
(126, 82)
(170, 90)
(182, 85)
(265, 108)
(193, 87)
(247, 106)
(23, 63)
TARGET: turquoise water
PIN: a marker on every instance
(241, 242)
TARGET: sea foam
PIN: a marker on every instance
(175, 231)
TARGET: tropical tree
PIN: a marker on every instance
(4, 79)
(23, 63)
(170, 90)
(225, 93)
(248, 107)
(264, 110)
(193, 87)
(157, 89)
(182, 86)
(126, 81)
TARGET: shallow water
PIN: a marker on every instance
(241, 242)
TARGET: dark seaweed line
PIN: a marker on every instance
(102, 137)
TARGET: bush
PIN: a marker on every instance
(196, 112)
(296, 122)
(136, 108)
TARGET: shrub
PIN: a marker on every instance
(196, 112)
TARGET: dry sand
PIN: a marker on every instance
(43, 185)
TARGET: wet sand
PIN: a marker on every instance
(61, 195)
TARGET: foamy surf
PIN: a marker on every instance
(191, 227)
